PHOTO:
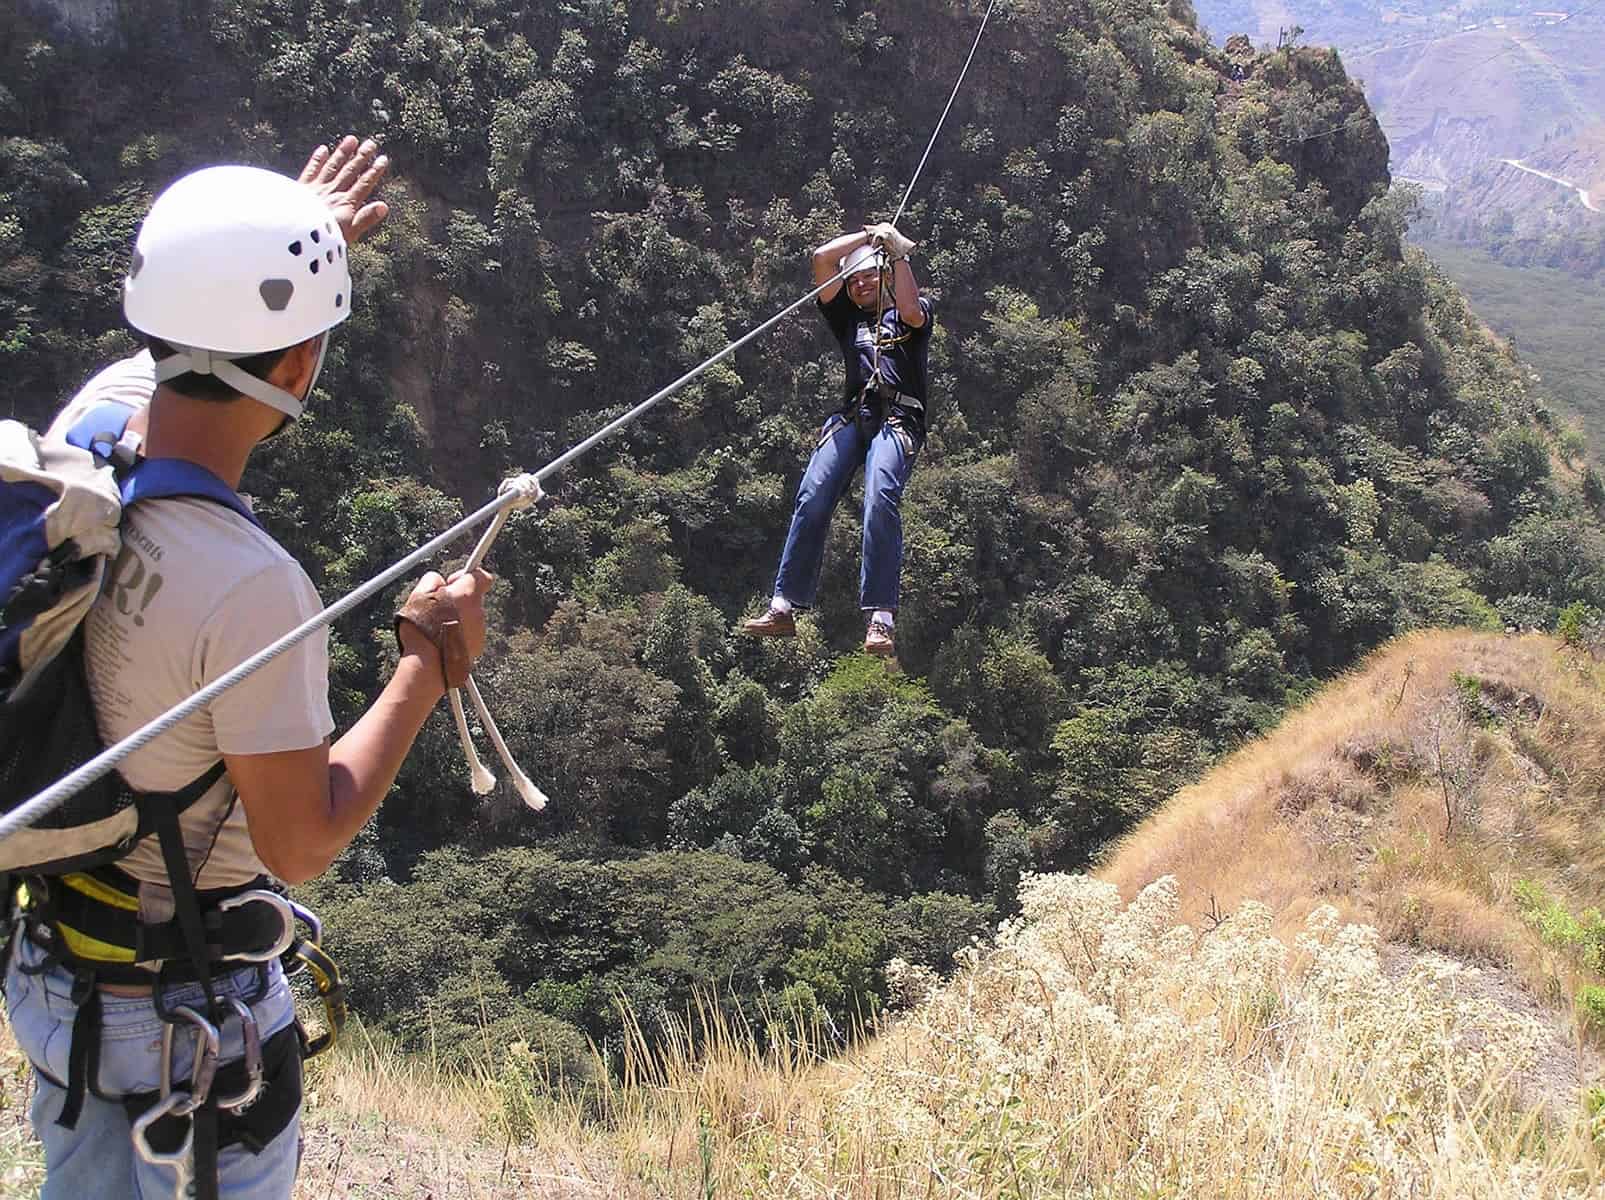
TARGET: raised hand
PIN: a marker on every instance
(886, 236)
(347, 177)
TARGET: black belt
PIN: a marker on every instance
(885, 397)
(91, 919)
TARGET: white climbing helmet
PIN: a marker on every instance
(865, 258)
(235, 261)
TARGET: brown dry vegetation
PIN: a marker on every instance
(1407, 804)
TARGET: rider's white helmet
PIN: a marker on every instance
(865, 258)
(235, 261)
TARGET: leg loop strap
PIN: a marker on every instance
(83, 1056)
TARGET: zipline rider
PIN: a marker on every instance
(239, 277)
(883, 325)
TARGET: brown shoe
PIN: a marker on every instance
(878, 641)
(773, 623)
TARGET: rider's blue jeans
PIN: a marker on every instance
(97, 1159)
(886, 451)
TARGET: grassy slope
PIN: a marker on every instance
(1555, 320)
(1109, 1051)
(1350, 802)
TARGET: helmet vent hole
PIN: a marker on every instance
(295, 249)
(328, 256)
(315, 238)
(314, 265)
(134, 268)
(339, 299)
(276, 293)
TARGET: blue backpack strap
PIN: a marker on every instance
(101, 428)
(161, 478)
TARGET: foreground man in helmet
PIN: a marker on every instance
(346, 175)
(883, 325)
(238, 279)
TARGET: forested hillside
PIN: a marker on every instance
(1203, 431)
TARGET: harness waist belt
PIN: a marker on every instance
(885, 395)
(93, 919)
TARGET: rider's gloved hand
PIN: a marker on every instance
(885, 235)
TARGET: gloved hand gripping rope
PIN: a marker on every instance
(438, 622)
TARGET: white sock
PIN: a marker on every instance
(883, 616)
(780, 604)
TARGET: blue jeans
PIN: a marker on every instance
(887, 455)
(97, 1157)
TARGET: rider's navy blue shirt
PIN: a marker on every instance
(904, 350)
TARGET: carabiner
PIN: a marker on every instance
(253, 1059)
(202, 1071)
(179, 1160)
(279, 905)
(310, 919)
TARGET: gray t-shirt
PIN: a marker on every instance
(196, 591)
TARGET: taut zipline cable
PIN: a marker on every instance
(517, 492)
(965, 70)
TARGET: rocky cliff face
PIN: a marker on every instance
(1553, 194)
(1446, 149)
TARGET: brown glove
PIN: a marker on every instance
(435, 615)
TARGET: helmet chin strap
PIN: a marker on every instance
(187, 359)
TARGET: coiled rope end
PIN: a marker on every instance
(531, 795)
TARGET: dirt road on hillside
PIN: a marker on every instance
(1582, 193)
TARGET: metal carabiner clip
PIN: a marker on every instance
(179, 1160)
(203, 1070)
(253, 1059)
(179, 1104)
(279, 905)
(308, 918)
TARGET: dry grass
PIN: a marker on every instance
(1103, 1050)
(1386, 798)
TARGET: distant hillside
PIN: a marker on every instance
(1459, 91)
(1554, 320)
(1455, 104)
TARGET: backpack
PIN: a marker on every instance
(61, 508)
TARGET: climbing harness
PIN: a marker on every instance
(88, 922)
